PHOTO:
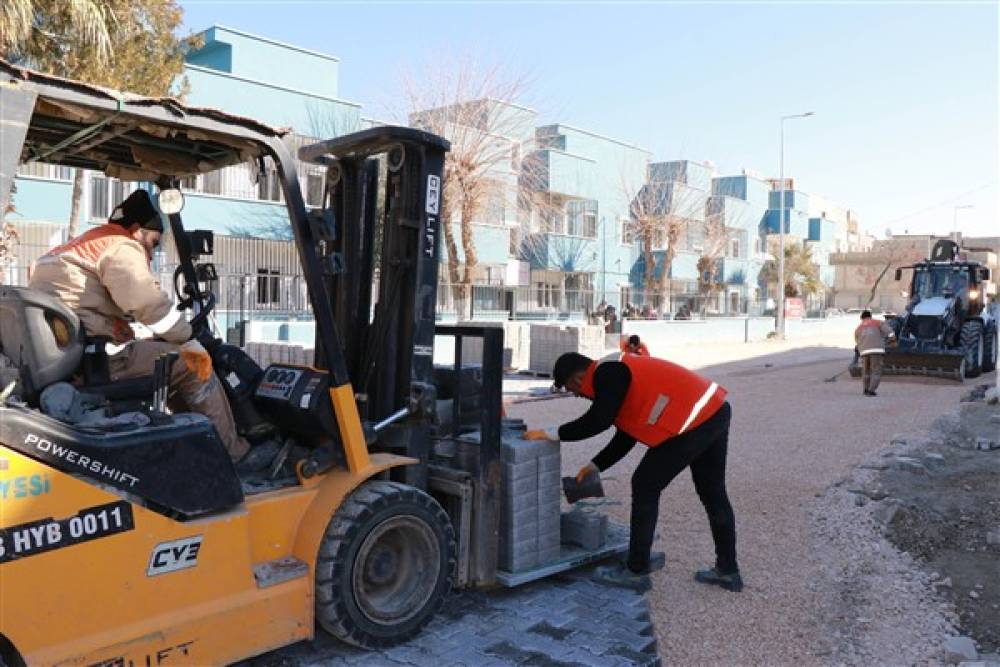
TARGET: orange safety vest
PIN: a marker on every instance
(664, 400)
(86, 249)
(89, 246)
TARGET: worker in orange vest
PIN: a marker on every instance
(683, 418)
(104, 276)
(633, 345)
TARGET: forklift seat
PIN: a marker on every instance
(46, 342)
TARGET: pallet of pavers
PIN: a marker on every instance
(536, 540)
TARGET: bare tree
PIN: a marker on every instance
(478, 110)
(892, 253)
(660, 214)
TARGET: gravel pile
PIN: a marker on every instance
(878, 605)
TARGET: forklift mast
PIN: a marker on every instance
(377, 240)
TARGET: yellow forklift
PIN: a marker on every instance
(126, 535)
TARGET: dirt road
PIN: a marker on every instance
(793, 435)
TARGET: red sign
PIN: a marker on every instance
(794, 309)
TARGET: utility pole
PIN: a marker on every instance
(781, 226)
(954, 220)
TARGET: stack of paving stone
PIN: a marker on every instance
(529, 512)
(548, 342)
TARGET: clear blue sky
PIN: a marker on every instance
(906, 96)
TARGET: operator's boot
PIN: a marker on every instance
(731, 582)
(259, 458)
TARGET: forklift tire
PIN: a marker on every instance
(385, 565)
(972, 345)
(990, 350)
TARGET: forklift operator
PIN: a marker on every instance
(683, 418)
(104, 276)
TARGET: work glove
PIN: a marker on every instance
(197, 360)
(542, 434)
(586, 471)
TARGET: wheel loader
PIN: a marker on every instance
(126, 535)
(949, 328)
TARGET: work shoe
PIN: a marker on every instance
(258, 458)
(617, 574)
(657, 560)
(731, 582)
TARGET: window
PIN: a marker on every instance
(515, 156)
(211, 182)
(627, 235)
(590, 224)
(268, 186)
(268, 286)
(734, 248)
(43, 170)
(189, 183)
(105, 194)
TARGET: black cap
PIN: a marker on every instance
(137, 209)
(566, 365)
(633, 340)
(866, 314)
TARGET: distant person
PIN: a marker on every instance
(683, 313)
(612, 321)
(632, 345)
(870, 337)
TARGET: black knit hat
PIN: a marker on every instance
(137, 209)
(566, 365)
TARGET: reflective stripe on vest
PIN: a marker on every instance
(699, 406)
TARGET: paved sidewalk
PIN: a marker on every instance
(564, 621)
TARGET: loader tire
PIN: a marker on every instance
(972, 345)
(385, 565)
(990, 344)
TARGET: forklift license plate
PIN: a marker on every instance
(37, 537)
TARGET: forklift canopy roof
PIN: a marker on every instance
(128, 136)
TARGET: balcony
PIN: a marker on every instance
(558, 172)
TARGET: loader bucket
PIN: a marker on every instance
(948, 364)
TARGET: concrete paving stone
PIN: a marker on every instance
(523, 514)
(520, 532)
(550, 479)
(524, 486)
(548, 448)
(550, 462)
(586, 529)
(549, 555)
(520, 562)
(513, 471)
(518, 451)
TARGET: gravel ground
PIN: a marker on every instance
(793, 436)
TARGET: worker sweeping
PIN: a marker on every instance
(683, 418)
(633, 345)
(870, 338)
(104, 276)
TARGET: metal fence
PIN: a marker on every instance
(548, 302)
(274, 295)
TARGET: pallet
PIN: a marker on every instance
(571, 557)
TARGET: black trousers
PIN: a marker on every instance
(704, 450)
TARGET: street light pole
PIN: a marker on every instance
(781, 225)
(954, 220)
